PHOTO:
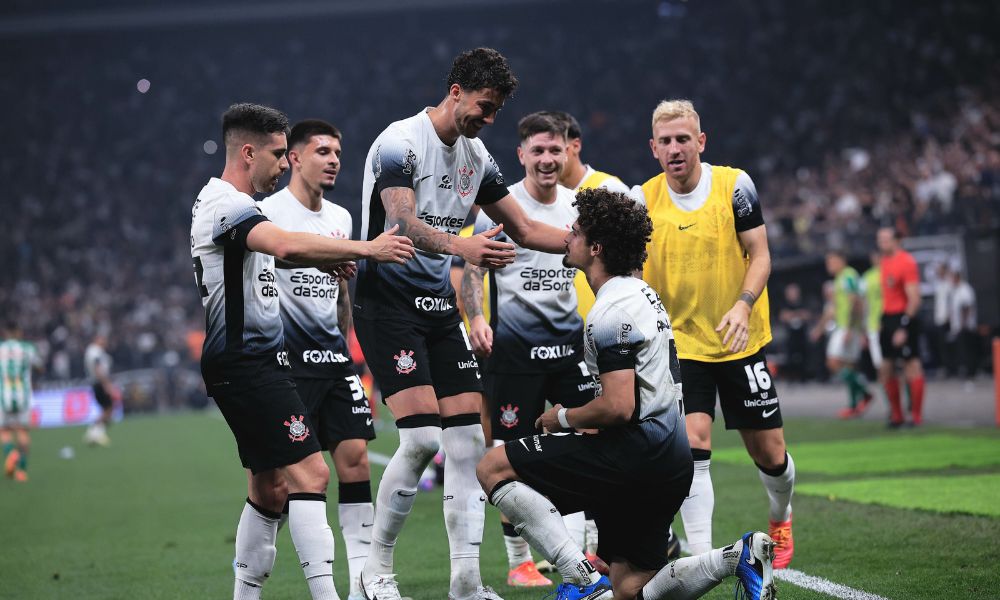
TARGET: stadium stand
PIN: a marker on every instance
(848, 117)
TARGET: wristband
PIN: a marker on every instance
(747, 297)
(563, 421)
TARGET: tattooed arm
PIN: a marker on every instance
(480, 333)
(345, 319)
(401, 209)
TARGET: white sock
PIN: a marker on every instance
(464, 501)
(356, 523)
(538, 521)
(518, 551)
(696, 511)
(396, 494)
(576, 525)
(779, 490)
(693, 576)
(246, 591)
(313, 540)
(591, 536)
(255, 551)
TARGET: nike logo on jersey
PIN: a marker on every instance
(768, 413)
(406, 494)
(683, 227)
(367, 524)
(424, 177)
(368, 422)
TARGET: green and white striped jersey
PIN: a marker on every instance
(16, 360)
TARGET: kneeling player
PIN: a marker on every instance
(640, 451)
(534, 339)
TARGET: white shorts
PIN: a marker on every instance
(875, 348)
(21, 418)
(844, 345)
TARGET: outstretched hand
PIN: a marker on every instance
(482, 250)
(389, 247)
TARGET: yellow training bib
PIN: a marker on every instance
(696, 264)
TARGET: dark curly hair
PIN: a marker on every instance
(620, 225)
(483, 68)
(257, 120)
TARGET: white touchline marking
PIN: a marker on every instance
(811, 582)
(378, 459)
(824, 586)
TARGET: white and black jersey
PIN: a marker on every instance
(96, 362)
(628, 328)
(536, 327)
(315, 344)
(243, 341)
(446, 180)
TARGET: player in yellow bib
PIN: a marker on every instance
(578, 175)
(709, 263)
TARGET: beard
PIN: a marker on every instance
(327, 187)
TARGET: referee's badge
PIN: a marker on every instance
(404, 362)
(508, 416)
(297, 430)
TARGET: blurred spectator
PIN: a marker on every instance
(882, 112)
(795, 318)
(939, 330)
(962, 334)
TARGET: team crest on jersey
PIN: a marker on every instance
(508, 416)
(297, 430)
(404, 362)
(465, 181)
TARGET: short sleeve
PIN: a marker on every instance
(910, 272)
(637, 195)
(493, 187)
(235, 216)
(746, 204)
(853, 284)
(394, 164)
(613, 184)
(617, 340)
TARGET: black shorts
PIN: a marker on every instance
(632, 492)
(337, 408)
(910, 349)
(745, 391)
(271, 425)
(403, 354)
(516, 400)
(102, 396)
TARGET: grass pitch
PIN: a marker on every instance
(154, 516)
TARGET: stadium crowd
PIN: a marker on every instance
(846, 118)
